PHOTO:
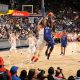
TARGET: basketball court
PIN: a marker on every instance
(70, 63)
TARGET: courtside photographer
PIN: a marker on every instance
(59, 74)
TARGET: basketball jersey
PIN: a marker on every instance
(47, 32)
(64, 39)
(41, 35)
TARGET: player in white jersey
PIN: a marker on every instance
(32, 47)
(40, 41)
(12, 40)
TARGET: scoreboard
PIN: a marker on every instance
(3, 8)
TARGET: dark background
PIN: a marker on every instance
(51, 5)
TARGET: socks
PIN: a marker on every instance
(34, 59)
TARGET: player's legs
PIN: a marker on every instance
(63, 46)
(10, 50)
(40, 45)
(46, 52)
(61, 50)
(34, 57)
(50, 46)
(51, 49)
(13, 49)
(64, 50)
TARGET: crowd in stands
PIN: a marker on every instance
(18, 25)
(34, 74)
(23, 25)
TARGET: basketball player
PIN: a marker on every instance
(32, 47)
(48, 38)
(12, 40)
(63, 43)
(40, 40)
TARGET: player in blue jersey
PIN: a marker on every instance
(63, 43)
(48, 38)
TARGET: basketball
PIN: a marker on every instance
(50, 14)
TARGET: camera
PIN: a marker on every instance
(59, 69)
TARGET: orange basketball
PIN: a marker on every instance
(50, 14)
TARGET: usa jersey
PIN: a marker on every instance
(48, 37)
(47, 32)
(64, 40)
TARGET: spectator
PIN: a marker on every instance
(59, 74)
(71, 78)
(13, 71)
(50, 74)
(31, 74)
(78, 75)
(23, 75)
(4, 71)
(41, 76)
